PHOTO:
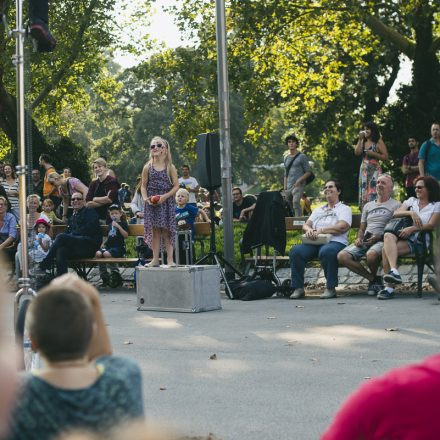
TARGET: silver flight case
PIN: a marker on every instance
(178, 289)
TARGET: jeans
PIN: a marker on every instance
(294, 200)
(67, 246)
(301, 254)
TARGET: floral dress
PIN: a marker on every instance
(369, 172)
(159, 216)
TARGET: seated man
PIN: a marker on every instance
(81, 239)
(369, 241)
(242, 207)
(80, 385)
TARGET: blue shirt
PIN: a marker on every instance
(187, 215)
(432, 162)
(43, 410)
(9, 225)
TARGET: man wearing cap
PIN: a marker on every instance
(81, 239)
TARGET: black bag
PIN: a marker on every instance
(395, 225)
(249, 289)
(310, 178)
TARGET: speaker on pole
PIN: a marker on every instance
(208, 161)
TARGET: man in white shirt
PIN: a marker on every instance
(190, 184)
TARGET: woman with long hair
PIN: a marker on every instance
(159, 184)
(373, 150)
(424, 210)
(10, 184)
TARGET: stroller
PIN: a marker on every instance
(267, 228)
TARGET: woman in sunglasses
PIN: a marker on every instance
(326, 234)
(159, 184)
(424, 210)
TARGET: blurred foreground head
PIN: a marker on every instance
(135, 431)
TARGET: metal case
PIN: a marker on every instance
(178, 289)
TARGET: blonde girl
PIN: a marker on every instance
(158, 186)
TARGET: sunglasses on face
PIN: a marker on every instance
(156, 146)
(329, 186)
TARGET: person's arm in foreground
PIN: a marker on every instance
(100, 344)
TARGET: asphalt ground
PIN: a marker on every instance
(268, 369)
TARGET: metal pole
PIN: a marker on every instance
(225, 132)
(19, 33)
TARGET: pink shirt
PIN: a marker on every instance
(403, 404)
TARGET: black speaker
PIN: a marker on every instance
(208, 161)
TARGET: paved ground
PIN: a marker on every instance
(282, 368)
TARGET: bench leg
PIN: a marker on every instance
(420, 267)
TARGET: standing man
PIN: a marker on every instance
(81, 239)
(429, 154)
(369, 240)
(297, 169)
(242, 207)
(190, 184)
(410, 166)
(103, 191)
(49, 190)
(37, 183)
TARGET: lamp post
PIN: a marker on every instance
(225, 132)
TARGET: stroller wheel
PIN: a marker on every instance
(115, 279)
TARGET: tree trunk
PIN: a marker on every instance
(425, 104)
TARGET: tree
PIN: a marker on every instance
(85, 33)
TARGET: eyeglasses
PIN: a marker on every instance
(329, 186)
(76, 198)
(419, 187)
(156, 145)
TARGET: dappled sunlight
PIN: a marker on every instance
(221, 369)
(161, 323)
(335, 337)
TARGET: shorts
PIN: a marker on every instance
(114, 252)
(358, 252)
(415, 245)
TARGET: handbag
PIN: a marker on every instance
(310, 178)
(395, 225)
(322, 239)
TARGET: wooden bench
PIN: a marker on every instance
(426, 257)
(83, 266)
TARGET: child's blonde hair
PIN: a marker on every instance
(168, 160)
(51, 203)
(184, 192)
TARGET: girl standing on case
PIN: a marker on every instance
(159, 184)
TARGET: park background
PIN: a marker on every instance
(317, 69)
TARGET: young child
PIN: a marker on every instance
(159, 184)
(114, 244)
(48, 213)
(185, 213)
(42, 241)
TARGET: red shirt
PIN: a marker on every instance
(404, 404)
(412, 160)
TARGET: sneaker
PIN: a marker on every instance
(392, 277)
(432, 280)
(375, 286)
(41, 33)
(328, 293)
(298, 293)
(385, 294)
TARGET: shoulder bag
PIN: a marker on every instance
(395, 225)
